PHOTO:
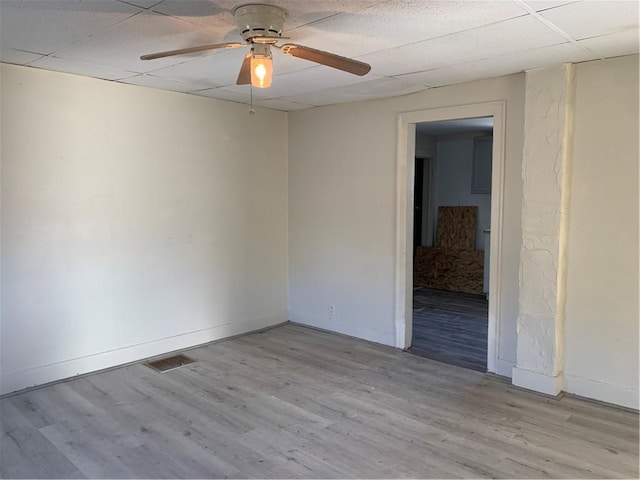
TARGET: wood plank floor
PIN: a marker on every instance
(294, 402)
(450, 327)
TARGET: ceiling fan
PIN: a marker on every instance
(261, 27)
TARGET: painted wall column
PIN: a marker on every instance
(549, 102)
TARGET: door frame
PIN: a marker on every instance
(405, 176)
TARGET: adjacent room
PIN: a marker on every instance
(319, 239)
(451, 241)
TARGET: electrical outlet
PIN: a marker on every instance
(332, 310)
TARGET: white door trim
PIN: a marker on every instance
(405, 172)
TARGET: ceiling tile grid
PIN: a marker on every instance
(613, 45)
(495, 40)
(76, 67)
(152, 81)
(497, 66)
(145, 32)
(410, 44)
(593, 19)
(45, 26)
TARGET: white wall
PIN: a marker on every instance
(546, 173)
(454, 161)
(602, 278)
(342, 168)
(137, 221)
(134, 222)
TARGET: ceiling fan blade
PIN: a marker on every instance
(325, 58)
(184, 51)
(244, 77)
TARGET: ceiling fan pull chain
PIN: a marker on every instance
(252, 111)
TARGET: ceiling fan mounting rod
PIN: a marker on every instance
(261, 50)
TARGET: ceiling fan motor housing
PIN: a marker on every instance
(260, 20)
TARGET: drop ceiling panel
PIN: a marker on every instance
(308, 80)
(504, 65)
(305, 12)
(208, 13)
(290, 85)
(518, 34)
(143, 3)
(223, 94)
(213, 69)
(242, 92)
(18, 57)
(539, 5)
(202, 12)
(162, 83)
(80, 68)
(592, 19)
(146, 32)
(421, 42)
(345, 43)
(381, 87)
(45, 26)
(282, 105)
(378, 88)
(617, 44)
(392, 23)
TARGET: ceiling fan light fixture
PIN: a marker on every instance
(261, 66)
(261, 27)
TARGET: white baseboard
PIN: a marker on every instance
(504, 367)
(605, 392)
(344, 328)
(19, 380)
(536, 381)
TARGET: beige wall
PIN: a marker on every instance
(342, 220)
(602, 278)
(342, 209)
(137, 221)
(134, 222)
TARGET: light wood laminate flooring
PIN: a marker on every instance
(294, 402)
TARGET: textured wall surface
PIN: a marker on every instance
(545, 171)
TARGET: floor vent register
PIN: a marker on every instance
(169, 363)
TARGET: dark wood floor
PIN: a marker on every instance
(294, 402)
(450, 327)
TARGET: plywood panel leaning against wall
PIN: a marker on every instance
(453, 264)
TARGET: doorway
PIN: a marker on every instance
(408, 150)
(453, 199)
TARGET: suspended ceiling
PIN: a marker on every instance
(411, 45)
